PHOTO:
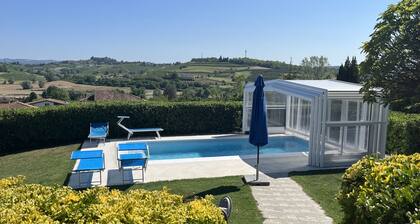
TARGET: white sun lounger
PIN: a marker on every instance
(131, 131)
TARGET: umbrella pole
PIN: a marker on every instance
(258, 161)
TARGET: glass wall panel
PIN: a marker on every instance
(305, 115)
(352, 110)
(276, 117)
(275, 99)
(294, 106)
(300, 115)
(335, 110)
(276, 109)
(334, 133)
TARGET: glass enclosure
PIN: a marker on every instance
(339, 126)
(276, 111)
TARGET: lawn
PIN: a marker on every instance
(51, 166)
(322, 187)
(44, 166)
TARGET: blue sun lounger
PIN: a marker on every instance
(89, 161)
(134, 155)
(132, 146)
(86, 154)
(134, 164)
(98, 131)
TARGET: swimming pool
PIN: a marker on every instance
(215, 147)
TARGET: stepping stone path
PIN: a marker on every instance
(284, 201)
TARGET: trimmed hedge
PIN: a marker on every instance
(403, 133)
(51, 126)
(382, 190)
(35, 203)
(48, 126)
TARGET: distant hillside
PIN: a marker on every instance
(200, 78)
(26, 61)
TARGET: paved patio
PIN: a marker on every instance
(158, 170)
(165, 170)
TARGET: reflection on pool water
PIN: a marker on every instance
(179, 149)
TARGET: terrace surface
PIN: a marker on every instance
(177, 169)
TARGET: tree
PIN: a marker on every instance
(26, 84)
(41, 83)
(32, 96)
(354, 71)
(173, 76)
(188, 94)
(393, 58)
(33, 78)
(238, 87)
(315, 67)
(141, 92)
(75, 95)
(157, 93)
(170, 91)
(56, 93)
(3, 68)
(349, 72)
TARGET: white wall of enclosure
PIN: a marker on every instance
(340, 128)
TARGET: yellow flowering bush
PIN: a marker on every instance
(382, 190)
(34, 203)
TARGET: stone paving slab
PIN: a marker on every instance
(284, 201)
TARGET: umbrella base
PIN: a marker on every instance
(250, 180)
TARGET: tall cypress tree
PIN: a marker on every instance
(349, 72)
(353, 71)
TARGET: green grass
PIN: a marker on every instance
(52, 165)
(43, 166)
(322, 187)
(19, 75)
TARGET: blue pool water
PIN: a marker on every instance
(179, 149)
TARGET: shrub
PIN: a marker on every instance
(32, 96)
(56, 93)
(403, 133)
(41, 83)
(26, 84)
(34, 203)
(27, 128)
(382, 190)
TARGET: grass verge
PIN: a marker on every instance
(322, 187)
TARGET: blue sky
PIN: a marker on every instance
(170, 31)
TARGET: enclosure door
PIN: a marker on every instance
(276, 120)
(276, 111)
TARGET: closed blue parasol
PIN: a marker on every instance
(258, 135)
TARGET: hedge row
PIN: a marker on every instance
(403, 133)
(23, 129)
(35, 203)
(50, 126)
(382, 190)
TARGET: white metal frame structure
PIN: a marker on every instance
(331, 115)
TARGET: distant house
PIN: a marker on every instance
(102, 95)
(47, 102)
(15, 105)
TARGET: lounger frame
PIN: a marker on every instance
(131, 131)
